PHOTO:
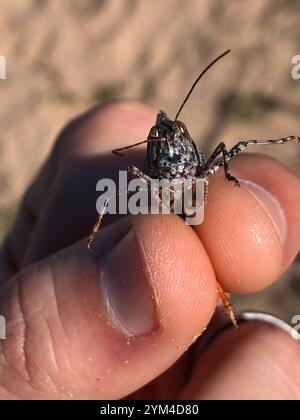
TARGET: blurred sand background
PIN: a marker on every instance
(62, 57)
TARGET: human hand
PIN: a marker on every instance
(118, 322)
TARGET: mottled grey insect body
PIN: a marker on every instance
(171, 152)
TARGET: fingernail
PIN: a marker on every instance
(127, 293)
(271, 206)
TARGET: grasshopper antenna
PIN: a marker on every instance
(197, 80)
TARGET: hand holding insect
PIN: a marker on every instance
(172, 153)
(55, 298)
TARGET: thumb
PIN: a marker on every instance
(103, 324)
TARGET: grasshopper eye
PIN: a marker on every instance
(182, 128)
(154, 132)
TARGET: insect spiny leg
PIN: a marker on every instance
(281, 140)
(212, 165)
(228, 308)
(219, 163)
(97, 226)
(145, 178)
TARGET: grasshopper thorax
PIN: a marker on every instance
(171, 152)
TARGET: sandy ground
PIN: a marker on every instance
(63, 57)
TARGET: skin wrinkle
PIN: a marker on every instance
(26, 322)
(272, 366)
(268, 363)
(45, 379)
(66, 360)
(56, 299)
(23, 347)
(66, 364)
(10, 361)
(5, 363)
(60, 321)
(7, 394)
(285, 380)
(21, 373)
(25, 329)
(52, 356)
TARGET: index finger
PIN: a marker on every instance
(92, 134)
